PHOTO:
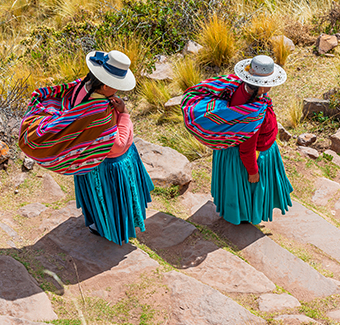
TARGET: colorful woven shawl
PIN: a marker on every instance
(67, 140)
(208, 116)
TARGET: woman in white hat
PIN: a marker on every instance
(234, 116)
(114, 195)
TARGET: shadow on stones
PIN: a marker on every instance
(71, 252)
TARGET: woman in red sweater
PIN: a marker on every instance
(249, 180)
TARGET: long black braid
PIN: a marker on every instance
(255, 90)
(95, 84)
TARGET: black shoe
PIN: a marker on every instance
(93, 231)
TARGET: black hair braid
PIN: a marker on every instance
(95, 84)
(83, 82)
(255, 90)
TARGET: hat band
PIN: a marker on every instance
(252, 72)
(101, 59)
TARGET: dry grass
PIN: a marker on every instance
(281, 50)
(295, 113)
(218, 42)
(187, 73)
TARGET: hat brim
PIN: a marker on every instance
(278, 77)
(125, 83)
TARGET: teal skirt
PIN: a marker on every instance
(238, 200)
(114, 196)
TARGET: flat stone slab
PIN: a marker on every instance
(279, 265)
(8, 320)
(195, 201)
(336, 157)
(334, 314)
(194, 303)
(52, 190)
(305, 226)
(32, 210)
(273, 302)
(163, 230)
(223, 270)
(325, 190)
(206, 215)
(296, 319)
(20, 295)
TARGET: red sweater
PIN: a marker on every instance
(262, 140)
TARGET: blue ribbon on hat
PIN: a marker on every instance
(101, 59)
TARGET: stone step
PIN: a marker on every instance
(194, 303)
(305, 226)
(279, 265)
(179, 243)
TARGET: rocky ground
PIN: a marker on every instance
(189, 267)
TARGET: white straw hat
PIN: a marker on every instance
(260, 71)
(112, 69)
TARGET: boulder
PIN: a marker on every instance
(192, 48)
(269, 302)
(175, 101)
(317, 105)
(335, 138)
(325, 43)
(20, 295)
(284, 135)
(32, 210)
(306, 139)
(165, 166)
(308, 152)
(336, 157)
(287, 41)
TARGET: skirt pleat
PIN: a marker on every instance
(114, 196)
(238, 200)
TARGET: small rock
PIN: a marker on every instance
(325, 43)
(192, 48)
(161, 58)
(175, 101)
(272, 302)
(284, 135)
(29, 163)
(312, 106)
(125, 99)
(32, 210)
(306, 139)
(325, 190)
(336, 157)
(16, 191)
(308, 152)
(163, 71)
(335, 138)
(334, 314)
(51, 188)
(287, 41)
(296, 319)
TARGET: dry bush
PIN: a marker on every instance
(217, 40)
(155, 93)
(281, 50)
(187, 73)
(295, 113)
(299, 33)
(260, 30)
(329, 22)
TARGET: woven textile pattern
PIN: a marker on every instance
(67, 140)
(208, 116)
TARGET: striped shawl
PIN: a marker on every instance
(208, 116)
(67, 140)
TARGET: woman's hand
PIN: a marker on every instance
(118, 104)
(254, 178)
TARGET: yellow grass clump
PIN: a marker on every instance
(217, 40)
(295, 113)
(155, 93)
(187, 73)
(281, 50)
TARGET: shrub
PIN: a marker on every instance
(217, 40)
(187, 73)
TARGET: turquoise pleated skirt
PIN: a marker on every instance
(114, 196)
(238, 200)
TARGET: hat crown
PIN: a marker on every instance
(262, 65)
(119, 60)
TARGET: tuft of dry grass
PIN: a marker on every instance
(218, 42)
(155, 93)
(281, 50)
(187, 73)
(295, 113)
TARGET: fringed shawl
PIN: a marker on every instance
(208, 116)
(67, 140)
